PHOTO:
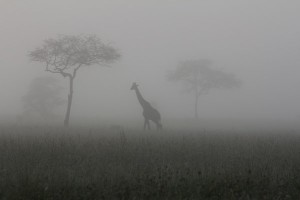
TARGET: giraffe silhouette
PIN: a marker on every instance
(149, 112)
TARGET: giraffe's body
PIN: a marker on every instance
(149, 112)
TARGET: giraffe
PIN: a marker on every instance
(149, 112)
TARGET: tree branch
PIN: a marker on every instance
(57, 71)
(76, 69)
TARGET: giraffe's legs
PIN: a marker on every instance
(146, 124)
(158, 126)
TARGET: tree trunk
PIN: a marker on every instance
(196, 96)
(70, 98)
(196, 106)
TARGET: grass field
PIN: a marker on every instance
(56, 163)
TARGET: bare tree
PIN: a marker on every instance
(66, 54)
(42, 99)
(199, 78)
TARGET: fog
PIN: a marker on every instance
(257, 40)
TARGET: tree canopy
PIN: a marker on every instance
(69, 52)
(198, 74)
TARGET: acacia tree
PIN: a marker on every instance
(199, 78)
(42, 99)
(66, 54)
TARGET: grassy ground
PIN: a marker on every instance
(55, 163)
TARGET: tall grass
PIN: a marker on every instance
(57, 163)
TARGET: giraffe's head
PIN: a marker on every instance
(134, 86)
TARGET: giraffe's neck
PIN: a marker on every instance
(142, 101)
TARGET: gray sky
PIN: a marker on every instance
(258, 40)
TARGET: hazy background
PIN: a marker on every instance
(258, 40)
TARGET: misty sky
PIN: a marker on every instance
(258, 40)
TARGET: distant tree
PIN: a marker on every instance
(66, 54)
(42, 99)
(199, 78)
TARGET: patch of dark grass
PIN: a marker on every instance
(40, 163)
